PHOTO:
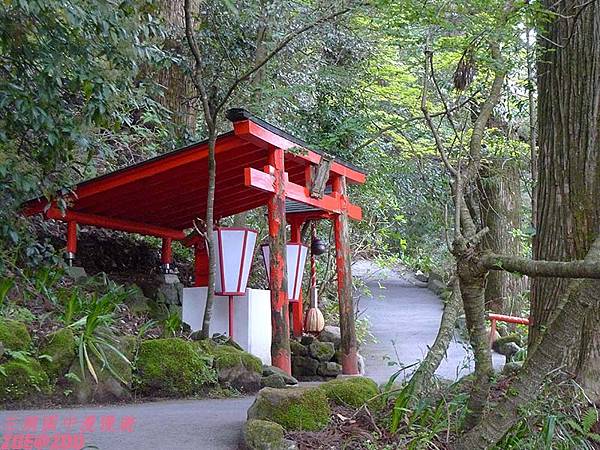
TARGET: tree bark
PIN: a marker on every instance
(500, 195)
(568, 215)
(581, 298)
(178, 87)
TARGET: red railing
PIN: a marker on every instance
(493, 318)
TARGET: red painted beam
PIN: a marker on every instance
(246, 129)
(332, 203)
(114, 224)
(509, 319)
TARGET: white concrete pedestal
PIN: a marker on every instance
(252, 318)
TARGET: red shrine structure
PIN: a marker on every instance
(257, 164)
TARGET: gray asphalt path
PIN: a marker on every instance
(405, 317)
(212, 424)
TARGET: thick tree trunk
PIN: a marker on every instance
(500, 196)
(178, 87)
(581, 298)
(568, 215)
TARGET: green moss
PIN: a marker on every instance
(22, 379)
(226, 356)
(263, 435)
(354, 391)
(14, 335)
(60, 347)
(293, 409)
(173, 368)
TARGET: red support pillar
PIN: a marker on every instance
(166, 255)
(280, 342)
(297, 307)
(344, 276)
(71, 241)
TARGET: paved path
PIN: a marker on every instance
(405, 317)
(167, 425)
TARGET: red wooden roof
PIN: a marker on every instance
(168, 192)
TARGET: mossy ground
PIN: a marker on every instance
(20, 380)
(263, 434)
(14, 335)
(354, 391)
(226, 356)
(172, 368)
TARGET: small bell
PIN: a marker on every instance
(317, 246)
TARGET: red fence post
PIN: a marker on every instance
(71, 241)
(280, 342)
(344, 277)
(166, 255)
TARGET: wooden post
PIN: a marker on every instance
(280, 342)
(297, 307)
(344, 277)
(166, 255)
(71, 241)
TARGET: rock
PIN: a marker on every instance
(512, 368)
(304, 366)
(436, 284)
(307, 339)
(136, 301)
(361, 364)
(298, 349)
(22, 380)
(14, 335)
(323, 351)
(508, 349)
(331, 334)
(420, 276)
(329, 369)
(60, 347)
(173, 368)
(196, 335)
(170, 293)
(109, 387)
(76, 273)
(235, 367)
(221, 339)
(352, 391)
(299, 408)
(274, 381)
(266, 435)
(272, 370)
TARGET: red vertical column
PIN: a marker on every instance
(71, 241)
(280, 342)
(344, 277)
(166, 255)
(297, 307)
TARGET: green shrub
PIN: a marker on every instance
(172, 368)
(354, 391)
(14, 335)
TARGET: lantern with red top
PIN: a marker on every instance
(295, 261)
(235, 251)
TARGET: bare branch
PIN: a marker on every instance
(532, 268)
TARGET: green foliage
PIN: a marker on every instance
(172, 325)
(172, 368)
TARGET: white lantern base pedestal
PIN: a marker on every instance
(251, 320)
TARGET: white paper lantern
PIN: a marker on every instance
(295, 261)
(235, 251)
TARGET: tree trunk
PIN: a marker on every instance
(580, 299)
(210, 235)
(568, 213)
(178, 87)
(500, 197)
